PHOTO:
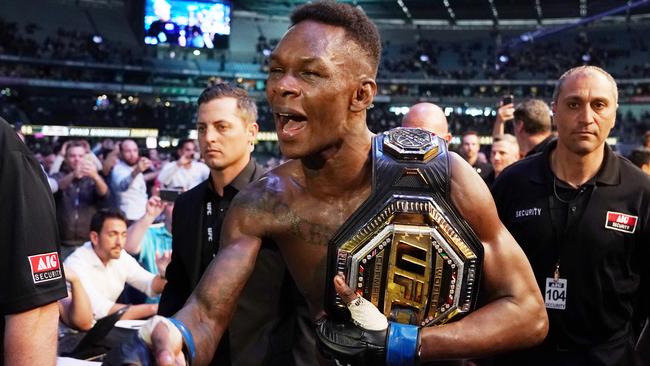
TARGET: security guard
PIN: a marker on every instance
(32, 276)
(581, 213)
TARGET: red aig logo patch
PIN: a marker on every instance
(621, 222)
(45, 267)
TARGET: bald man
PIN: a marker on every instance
(430, 117)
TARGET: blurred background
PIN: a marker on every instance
(97, 69)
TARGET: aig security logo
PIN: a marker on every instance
(621, 222)
(45, 267)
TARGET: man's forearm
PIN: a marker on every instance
(123, 182)
(482, 333)
(209, 309)
(30, 337)
(498, 129)
(135, 234)
(80, 312)
(141, 311)
(100, 186)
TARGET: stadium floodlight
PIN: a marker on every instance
(196, 52)
(424, 58)
(97, 39)
(586, 57)
(504, 59)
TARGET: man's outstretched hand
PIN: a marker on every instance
(157, 343)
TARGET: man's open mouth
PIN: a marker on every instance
(291, 123)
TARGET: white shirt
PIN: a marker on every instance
(131, 192)
(174, 176)
(104, 283)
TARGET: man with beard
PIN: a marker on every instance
(104, 267)
(321, 82)
(128, 182)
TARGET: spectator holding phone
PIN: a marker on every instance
(532, 124)
(81, 192)
(148, 242)
(185, 172)
(128, 182)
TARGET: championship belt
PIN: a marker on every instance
(406, 249)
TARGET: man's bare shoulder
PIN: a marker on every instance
(276, 186)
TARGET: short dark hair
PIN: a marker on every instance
(536, 116)
(353, 20)
(640, 157)
(181, 143)
(97, 222)
(245, 103)
(469, 132)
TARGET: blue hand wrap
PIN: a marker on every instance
(402, 344)
(188, 339)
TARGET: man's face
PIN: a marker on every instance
(188, 149)
(109, 242)
(503, 154)
(130, 153)
(585, 112)
(470, 146)
(311, 81)
(74, 155)
(225, 138)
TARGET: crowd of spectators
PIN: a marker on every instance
(64, 44)
(176, 117)
(499, 57)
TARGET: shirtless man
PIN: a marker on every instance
(321, 81)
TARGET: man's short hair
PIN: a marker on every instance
(245, 104)
(356, 23)
(640, 157)
(506, 138)
(469, 132)
(536, 116)
(75, 143)
(97, 222)
(181, 143)
(585, 68)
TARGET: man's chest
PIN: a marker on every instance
(605, 225)
(311, 222)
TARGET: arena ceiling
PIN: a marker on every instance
(453, 11)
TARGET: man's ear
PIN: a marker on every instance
(252, 129)
(363, 95)
(94, 238)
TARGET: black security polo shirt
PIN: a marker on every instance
(30, 272)
(600, 235)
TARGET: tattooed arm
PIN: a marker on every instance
(211, 306)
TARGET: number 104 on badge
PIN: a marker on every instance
(555, 293)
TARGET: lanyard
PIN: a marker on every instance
(559, 210)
